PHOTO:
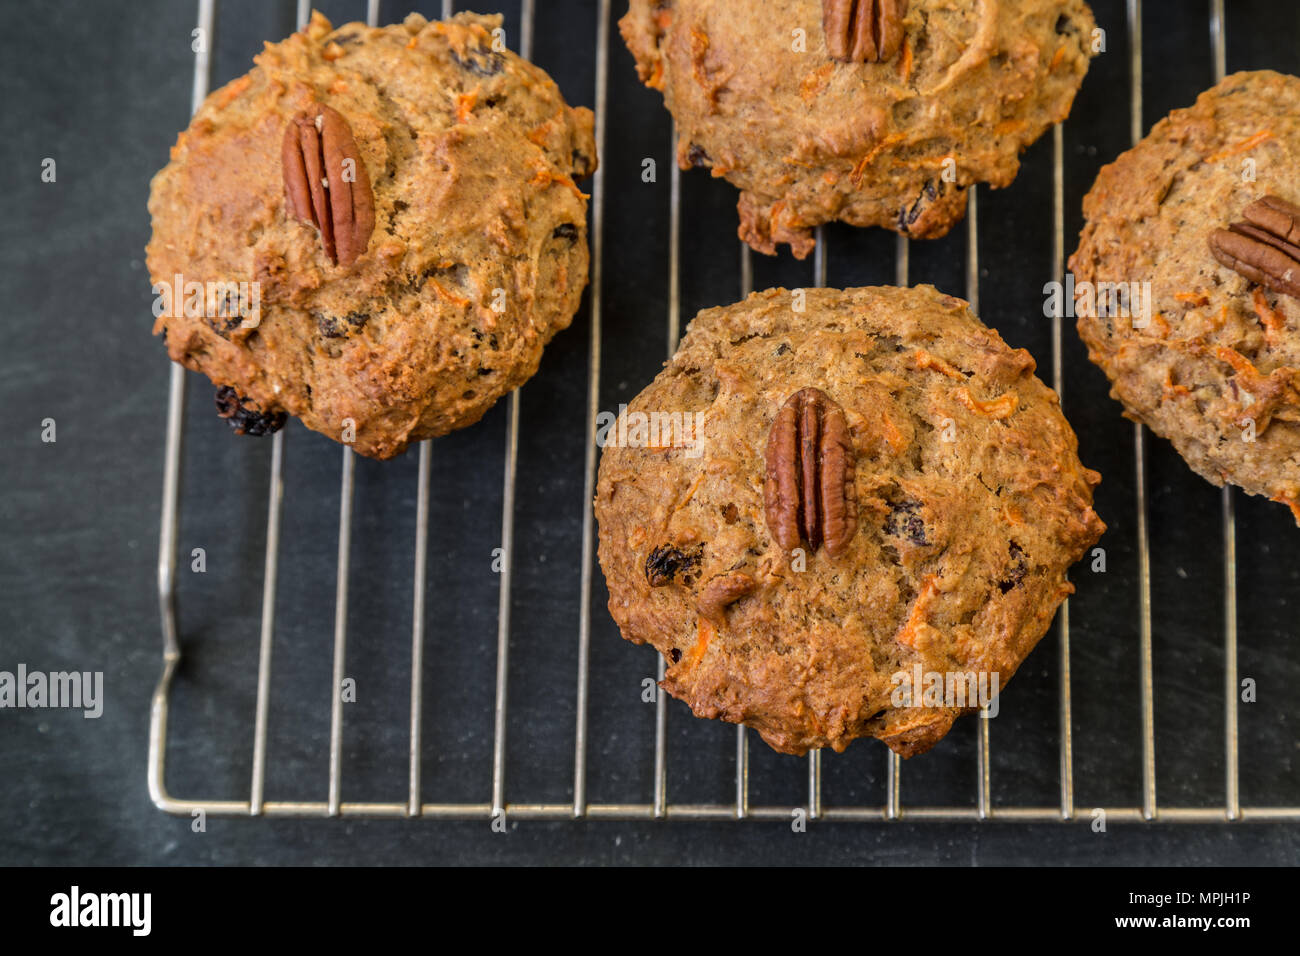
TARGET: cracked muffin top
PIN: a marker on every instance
(1206, 211)
(404, 199)
(874, 114)
(826, 489)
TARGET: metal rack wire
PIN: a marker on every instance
(891, 807)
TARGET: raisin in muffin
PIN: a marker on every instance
(874, 114)
(404, 198)
(875, 485)
(1204, 212)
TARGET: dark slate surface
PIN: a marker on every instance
(102, 88)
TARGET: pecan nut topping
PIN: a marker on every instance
(1266, 247)
(809, 492)
(326, 183)
(863, 31)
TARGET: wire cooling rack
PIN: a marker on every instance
(495, 806)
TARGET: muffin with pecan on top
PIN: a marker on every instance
(870, 112)
(809, 514)
(402, 201)
(1199, 225)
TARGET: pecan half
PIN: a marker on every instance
(809, 492)
(326, 183)
(1266, 247)
(863, 31)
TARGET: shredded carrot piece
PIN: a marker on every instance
(656, 81)
(690, 492)
(544, 177)
(916, 617)
(537, 135)
(896, 440)
(704, 634)
(815, 82)
(339, 86)
(448, 295)
(925, 360)
(999, 407)
(1192, 298)
(859, 169)
(1171, 389)
(1292, 503)
(1008, 126)
(905, 62)
(1238, 361)
(1272, 319)
(233, 89)
(1243, 147)
(465, 105)
(1161, 325)
(1057, 57)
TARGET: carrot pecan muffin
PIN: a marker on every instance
(876, 113)
(376, 230)
(1191, 257)
(829, 497)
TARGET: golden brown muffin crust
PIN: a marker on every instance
(971, 504)
(478, 254)
(808, 139)
(1216, 367)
